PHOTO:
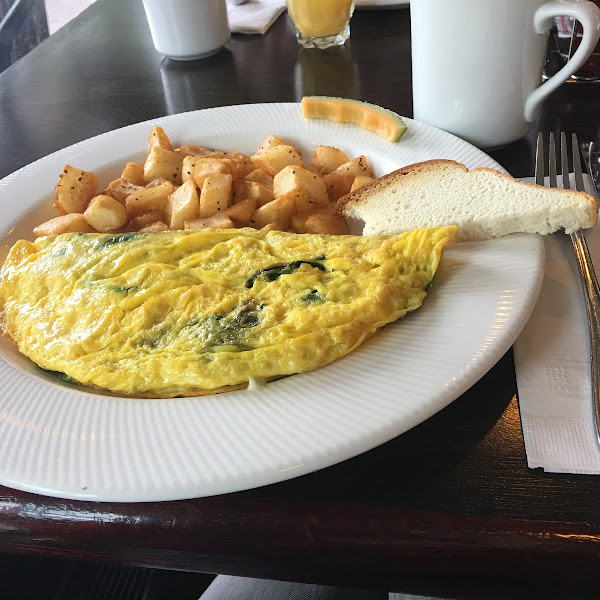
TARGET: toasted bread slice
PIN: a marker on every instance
(483, 203)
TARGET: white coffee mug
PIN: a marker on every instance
(188, 29)
(477, 64)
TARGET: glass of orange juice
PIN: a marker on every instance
(321, 23)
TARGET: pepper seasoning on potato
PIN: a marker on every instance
(197, 187)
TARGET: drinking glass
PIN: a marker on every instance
(321, 23)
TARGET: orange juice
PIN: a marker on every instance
(320, 18)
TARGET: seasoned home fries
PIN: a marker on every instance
(181, 313)
(194, 187)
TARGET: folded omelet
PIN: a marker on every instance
(194, 312)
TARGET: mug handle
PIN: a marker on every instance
(588, 14)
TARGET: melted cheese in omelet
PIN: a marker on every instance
(186, 313)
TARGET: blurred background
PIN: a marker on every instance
(26, 23)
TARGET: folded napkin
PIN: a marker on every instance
(255, 16)
(552, 364)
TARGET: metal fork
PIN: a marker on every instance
(586, 268)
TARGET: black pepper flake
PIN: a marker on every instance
(65, 171)
(80, 179)
(72, 187)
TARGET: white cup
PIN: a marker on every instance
(477, 64)
(188, 29)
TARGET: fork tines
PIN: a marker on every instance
(564, 161)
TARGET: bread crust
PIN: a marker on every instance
(390, 178)
(394, 177)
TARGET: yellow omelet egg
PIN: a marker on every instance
(194, 312)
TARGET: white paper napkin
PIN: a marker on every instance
(553, 366)
(255, 16)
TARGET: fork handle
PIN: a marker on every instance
(592, 303)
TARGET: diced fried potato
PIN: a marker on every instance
(183, 205)
(260, 176)
(327, 159)
(322, 220)
(338, 184)
(104, 214)
(155, 182)
(361, 181)
(298, 221)
(327, 224)
(270, 227)
(196, 187)
(242, 165)
(216, 194)
(154, 227)
(59, 209)
(277, 211)
(152, 216)
(242, 190)
(211, 166)
(218, 221)
(357, 166)
(158, 138)
(199, 151)
(188, 168)
(73, 222)
(164, 164)
(75, 189)
(308, 188)
(153, 198)
(242, 211)
(277, 158)
(270, 142)
(314, 169)
(133, 173)
(120, 189)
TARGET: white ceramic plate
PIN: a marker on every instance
(382, 3)
(60, 441)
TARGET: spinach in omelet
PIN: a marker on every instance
(195, 312)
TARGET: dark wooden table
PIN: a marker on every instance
(448, 507)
